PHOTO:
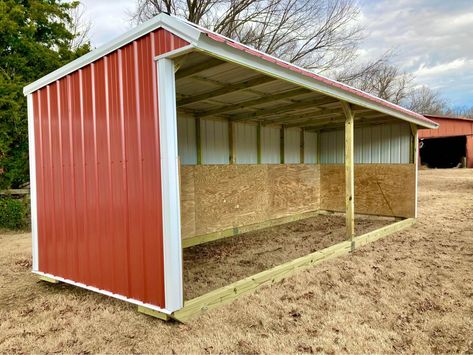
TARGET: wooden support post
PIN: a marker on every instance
(281, 144)
(415, 159)
(198, 141)
(258, 143)
(302, 146)
(231, 143)
(318, 147)
(349, 172)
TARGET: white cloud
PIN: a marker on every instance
(432, 39)
(109, 19)
(442, 68)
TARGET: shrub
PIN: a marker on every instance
(14, 213)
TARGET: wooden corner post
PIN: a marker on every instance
(349, 173)
(415, 160)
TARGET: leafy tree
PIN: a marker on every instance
(36, 37)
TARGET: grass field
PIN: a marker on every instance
(410, 292)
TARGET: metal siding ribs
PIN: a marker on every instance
(98, 173)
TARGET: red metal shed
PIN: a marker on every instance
(453, 138)
(104, 162)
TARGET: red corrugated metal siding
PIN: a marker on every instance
(98, 172)
(469, 151)
(452, 127)
(448, 128)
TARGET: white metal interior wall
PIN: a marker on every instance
(186, 140)
(388, 143)
(246, 143)
(270, 145)
(310, 147)
(292, 146)
(214, 141)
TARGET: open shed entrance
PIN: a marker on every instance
(262, 170)
(441, 153)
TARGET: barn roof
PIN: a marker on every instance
(460, 118)
(216, 45)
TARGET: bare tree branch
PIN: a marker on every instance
(321, 35)
(79, 27)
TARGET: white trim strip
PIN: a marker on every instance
(179, 28)
(174, 298)
(33, 190)
(103, 292)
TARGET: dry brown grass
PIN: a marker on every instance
(410, 292)
(213, 265)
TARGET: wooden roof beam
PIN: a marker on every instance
(339, 123)
(198, 68)
(280, 109)
(226, 89)
(254, 102)
(330, 114)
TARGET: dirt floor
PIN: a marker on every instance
(411, 292)
(213, 265)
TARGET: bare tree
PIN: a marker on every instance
(320, 35)
(426, 101)
(380, 78)
(79, 26)
(460, 112)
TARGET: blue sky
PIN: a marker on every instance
(433, 39)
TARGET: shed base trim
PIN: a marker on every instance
(230, 232)
(56, 279)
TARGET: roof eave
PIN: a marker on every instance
(228, 53)
(179, 28)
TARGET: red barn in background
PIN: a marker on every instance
(448, 145)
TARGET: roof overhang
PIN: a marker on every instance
(214, 45)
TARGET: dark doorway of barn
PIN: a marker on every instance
(443, 152)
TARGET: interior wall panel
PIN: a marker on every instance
(245, 143)
(270, 145)
(214, 141)
(245, 194)
(388, 144)
(292, 146)
(380, 189)
(310, 147)
(186, 140)
(98, 173)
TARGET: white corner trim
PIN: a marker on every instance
(103, 292)
(33, 196)
(172, 248)
(228, 53)
(185, 31)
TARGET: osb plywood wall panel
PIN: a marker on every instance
(218, 197)
(187, 200)
(381, 189)
(292, 188)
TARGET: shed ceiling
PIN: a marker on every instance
(207, 87)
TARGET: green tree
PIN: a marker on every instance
(36, 37)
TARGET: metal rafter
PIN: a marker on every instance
(280, 109)
(226, 89)
(195, 69)
(253, 102)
